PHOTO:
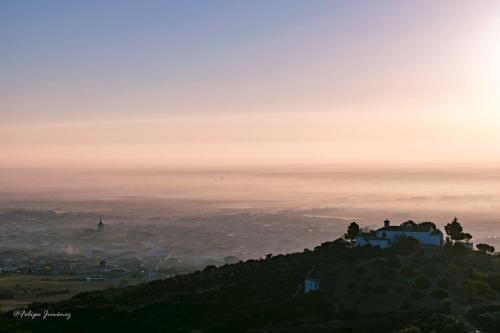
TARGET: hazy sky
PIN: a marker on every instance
(152, 83)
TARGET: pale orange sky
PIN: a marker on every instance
(331, 82)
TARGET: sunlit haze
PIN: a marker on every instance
(372, 109)
(127, 85)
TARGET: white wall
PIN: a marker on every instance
(426, 238)
(382, 243)
(310, 285)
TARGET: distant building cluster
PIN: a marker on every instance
(81, 264)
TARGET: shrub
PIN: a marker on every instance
(418, 295)
(365, 289)
(380, 289)
(454, 328)
(478, 291)
(388, 274)
(422, 283)
(485, 248)
(439, 293)
(209, 268)
(393, 262)
(405, 246)
(347, 312)
(475, 275)
(419, 254)
(414, 262)
(378, 263)
(405, 306)
(445, 306)
(443, 283)
(407, 272)
(430, 270)
(439, 321)
(494, 281)
(360, 270)
(486, 317)
(411, 329)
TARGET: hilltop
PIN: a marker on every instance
(362, 289)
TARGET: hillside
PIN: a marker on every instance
(402, 289)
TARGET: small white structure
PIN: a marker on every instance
(311, 284)
(384, 237)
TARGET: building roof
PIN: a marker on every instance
(374, 235)
(416, 228)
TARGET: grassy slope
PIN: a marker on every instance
(362, 290)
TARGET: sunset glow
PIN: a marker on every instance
(403, 81)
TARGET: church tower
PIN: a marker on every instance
(100, 225)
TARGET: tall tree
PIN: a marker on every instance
(428, 224)
(409, 223)
(352, 232)
(454, 230)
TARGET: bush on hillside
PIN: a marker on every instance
(411, 329)
(443, 284)
(445, 306)
(405, 305)
(366, 288)
(360, 270)
(393, 262)
(417, 295)
(405, 246)
(422, 283)
(380, 289)
(439, 293)
(478, 291)
(430, 270)
(351, 285)
(388, 274)
(407, 272)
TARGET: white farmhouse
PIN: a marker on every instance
(426, 235)
(311, 284)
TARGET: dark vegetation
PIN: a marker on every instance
(405, 288)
